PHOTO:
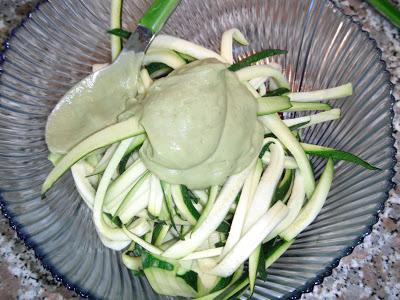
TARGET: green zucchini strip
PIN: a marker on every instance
(276, 252)
(283, 189)
(107, 136)
(314, 205)
(289, 162)
(266, 187)
(277, 92)
(85, 189)
(261, 271)
(251, 89)
(116, 245)
(110, 206)
(304, 106)
(336, 155)
(251, 72)
(136, 200)
(262, 90)
(246, 197)
(294, 205)
(262, 199)
(250, 240)
(145, 78)
(236, 278)
(270, 105)
(321, 117)
(122, 33)
(158, 69)
(149, 247)
(185, 208)
(163, 41)
(307, 121)
(132, 263)
(235, 292)
(259, 83)
(165, 56)
(228, 37)
(322, 151)
(210, 203)
(162, 233)
(155, 197)
(186, 57)
(116, 23)
(285, 136)
(209, 283)
(119, 188)
(102, 165)
(169, 202)
(94, 158)
(248, 61)
(101, 225)
(325, 94)
(169, 283)
(202, 196)
(253, 266)
(204, 254)
(126, 179)
(217, 214)
(140, 227)
(137, 142)
(191, 278)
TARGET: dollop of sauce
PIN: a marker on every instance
(93, 103)
(202, 126)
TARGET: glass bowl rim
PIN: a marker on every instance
(295, 294)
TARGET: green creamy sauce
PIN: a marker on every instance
(202, 126)
(93, 103)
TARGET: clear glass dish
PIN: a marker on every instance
(56, 46)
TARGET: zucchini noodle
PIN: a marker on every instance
(146, 79)
(163, 41)
(165, 56)
(102, 227)
(252, 72)
(226, 43)
(116, 22)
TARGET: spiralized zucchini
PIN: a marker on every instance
(199, 240)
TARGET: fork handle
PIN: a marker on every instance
(158, 13)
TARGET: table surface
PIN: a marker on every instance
(372, 271)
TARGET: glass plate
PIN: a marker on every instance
(57, 45)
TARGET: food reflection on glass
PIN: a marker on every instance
(187, 163)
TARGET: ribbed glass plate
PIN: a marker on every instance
(61, 39)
